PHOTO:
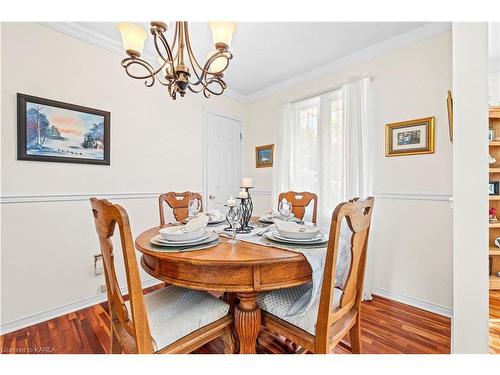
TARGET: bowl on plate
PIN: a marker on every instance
(296, 231)
(177, 233)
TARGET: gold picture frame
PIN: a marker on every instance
(264, 156)
(449, 102)
(412, 137)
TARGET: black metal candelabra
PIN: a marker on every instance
(246, 210)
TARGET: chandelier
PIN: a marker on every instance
(173, 71)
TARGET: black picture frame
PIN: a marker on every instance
(493, 188)
(23, 99)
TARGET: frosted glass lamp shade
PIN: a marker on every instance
(222, 33)
(133, 38)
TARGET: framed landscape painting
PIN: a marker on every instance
(264, 156)
(410, 137)
(48, 130)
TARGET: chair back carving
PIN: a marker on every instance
(358, 214)
(132, 332)
(299, 203)
(179, 203)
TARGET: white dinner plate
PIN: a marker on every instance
(158, 240)
(274, 236)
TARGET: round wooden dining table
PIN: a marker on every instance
(243, 268)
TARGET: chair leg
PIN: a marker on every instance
(115, 344)
(229, 342)
(355, 335)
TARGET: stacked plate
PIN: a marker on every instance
(297, 234)
(178, 237)
(316, 240)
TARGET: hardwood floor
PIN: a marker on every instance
(387, 327)
(495, 321)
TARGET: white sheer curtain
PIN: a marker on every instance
(323, 146)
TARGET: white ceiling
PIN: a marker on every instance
(266, 54)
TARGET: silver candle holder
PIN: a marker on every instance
(233, 217)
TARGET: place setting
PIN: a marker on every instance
(194, 210)
(286, 232)
(191, 236)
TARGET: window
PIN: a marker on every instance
(323, 146)
(316, 147)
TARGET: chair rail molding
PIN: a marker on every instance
(415, 196)
(70, 197)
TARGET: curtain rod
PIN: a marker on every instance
(318, 93)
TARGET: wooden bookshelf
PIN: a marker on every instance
(494, 200)
(494, 250)
(494, 283)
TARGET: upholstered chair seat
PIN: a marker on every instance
(278, 302)
(175, 312)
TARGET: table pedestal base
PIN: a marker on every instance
(247, 322)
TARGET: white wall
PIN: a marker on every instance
(470, 200)
(410, 250)
(156, 145)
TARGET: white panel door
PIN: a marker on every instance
(223, 160)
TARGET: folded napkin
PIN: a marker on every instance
(214, 214)
(291, 226)
(193, 225)
(272, 213)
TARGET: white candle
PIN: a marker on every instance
(243, 194)
(246, 182)
(231, 202)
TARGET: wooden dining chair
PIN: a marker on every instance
(168, 320)
(337, 312)
(179, 203)
(299, 202)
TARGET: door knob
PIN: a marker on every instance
(212, 197)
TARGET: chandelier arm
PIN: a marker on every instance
(129, 61)
(205, 87)
(170, 59)
(190, 50)
(153, 75)
(205, 70)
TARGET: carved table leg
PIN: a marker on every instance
(247, 322)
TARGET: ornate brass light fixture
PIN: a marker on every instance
(173, 71)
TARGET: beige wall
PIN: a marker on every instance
(410, 252)
(156, 145)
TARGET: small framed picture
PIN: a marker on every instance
(491, 134)
(410, 137)
(493, 188)
(264, 156)
(52, 131)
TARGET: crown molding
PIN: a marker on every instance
(371, 52)
(84, 34)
